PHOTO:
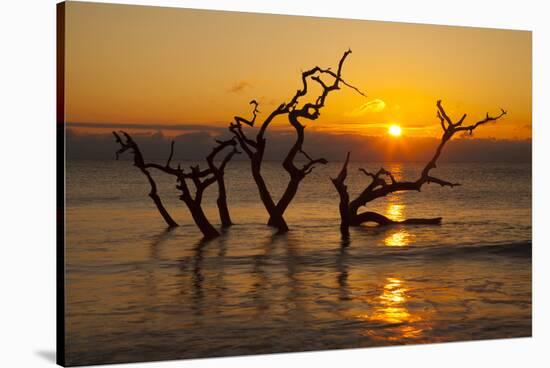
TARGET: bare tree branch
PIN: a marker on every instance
(255, 111)
(129, 144)
(171, 154)
(201, 180)
(340, 184)
(481, 122)
(219, 172)
(294, 110)
(379, 187)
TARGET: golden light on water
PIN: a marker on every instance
(390, 307)
(396, 169)
(394, 292)
(395, 211)
(400, 238)
(395, 130)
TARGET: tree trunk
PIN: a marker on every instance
(219, 171)
(163, 212)
(275, 217)
(295, 110)
(342, 189)
(156, 199)
(202, 222)
(225, 218)
(296, 176)
(344, 215)
(381, 220)
(285, 200)
(380, 187)
(349, 215)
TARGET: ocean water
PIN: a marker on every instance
(136, 291)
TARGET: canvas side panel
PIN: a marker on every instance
(60, 185)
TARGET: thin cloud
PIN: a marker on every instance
(239, 87)
(136, 126)
(376, 105)
(373, 124)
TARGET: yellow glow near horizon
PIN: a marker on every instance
(395, 130)
(159, 66)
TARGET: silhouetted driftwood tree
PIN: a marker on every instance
(201, 179)
(383, 182)
(129, 144)
(218, 170)
(295, 112)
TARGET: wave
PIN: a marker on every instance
(518, 248)
(323, 258)
(357, 255)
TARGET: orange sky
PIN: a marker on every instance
(152, 65)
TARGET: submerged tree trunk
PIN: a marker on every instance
(380, 187)
(221, 202)
(219, 174)
(296, 174)
(156, 199)
(294, 110)
(140, 164)
(200, 178)
(366, 217)
(342, 189)
(200, 219)
(194, 203)
(275, 217)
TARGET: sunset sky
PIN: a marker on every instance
(163, 67)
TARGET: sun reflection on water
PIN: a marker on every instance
(390, 308)
(400, 238)
(396, 169)
(396, 211)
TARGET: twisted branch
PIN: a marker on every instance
(201, 180)
(219, 172)
(380, 187)
(130, 144)
(255, 111)
(255, 148)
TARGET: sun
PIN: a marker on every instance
(394, 130)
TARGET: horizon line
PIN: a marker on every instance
(184, 127)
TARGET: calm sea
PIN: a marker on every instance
(136, 291)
